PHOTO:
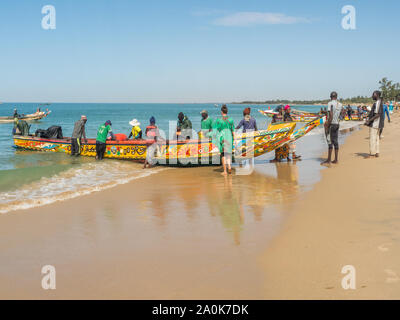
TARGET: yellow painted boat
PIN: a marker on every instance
(172, 152)
(129, 150)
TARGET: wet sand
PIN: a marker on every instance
(193, 234)
(183, 233)
(351, 217)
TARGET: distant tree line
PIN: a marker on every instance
(390, 91)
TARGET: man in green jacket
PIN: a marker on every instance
(102, 134)
(183, 127)
(206, 124)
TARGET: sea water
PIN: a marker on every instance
(31, 178)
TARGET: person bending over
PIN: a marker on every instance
(102, 134)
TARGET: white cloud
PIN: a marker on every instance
(240, 19)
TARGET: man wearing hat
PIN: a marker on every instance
(206, 123)
(136, 132)
(77, 134)
(102, 134)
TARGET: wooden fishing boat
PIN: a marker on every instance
(195, 152)
(129, 150)
(186, 152)
(169, 151)
(295, 117)
(308, 116)
(299, 133)
(29, 117)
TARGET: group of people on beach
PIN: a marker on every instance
(375, 120)
(221, 128)
(222, 131)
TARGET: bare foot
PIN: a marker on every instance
(230, 171)
(335, 162)
(224, 173)
(377, 155)
(326, 163)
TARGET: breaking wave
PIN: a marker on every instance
(72, 183)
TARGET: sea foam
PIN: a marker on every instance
(72, 183)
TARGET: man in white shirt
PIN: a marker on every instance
(375, 123)
(332, 128)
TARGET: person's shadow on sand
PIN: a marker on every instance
(362, 154)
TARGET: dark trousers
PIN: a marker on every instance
(100, 149)
(75, 146)
(334, 136)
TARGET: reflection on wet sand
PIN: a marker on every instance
(232, 198)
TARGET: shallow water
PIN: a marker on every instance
(29, 179)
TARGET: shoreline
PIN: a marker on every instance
(168, 238)
(349, 218)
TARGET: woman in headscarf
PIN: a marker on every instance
(248, 122)
(151, 129)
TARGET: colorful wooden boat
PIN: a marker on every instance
(173, 152)
(169, 151)
(29, 117)
(207, 151)
(308, 116)
(298, 133)
(129, 150)
(295, 117)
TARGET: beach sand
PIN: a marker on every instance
(193, 234)
(351, 217)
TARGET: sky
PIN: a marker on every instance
(195, 50)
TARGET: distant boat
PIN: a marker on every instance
(29, 117)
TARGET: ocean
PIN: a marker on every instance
(29, 179)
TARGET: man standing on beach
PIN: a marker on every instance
(375, 123)
(332, 128)
(77, 134)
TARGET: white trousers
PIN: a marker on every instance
(373, 141)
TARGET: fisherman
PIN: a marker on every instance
(183, 127)
(278, 117)
(292, 146)
(151, 129)
(102, 134)
(349, 112)
(77, 134)
(206, 124)
(359, 112)
(15, 115)
(136, 132)
(281, 152)
(248, 122)
(332, 128)
(152, 133)
(21, 127)
(375, 122)
(223, 129)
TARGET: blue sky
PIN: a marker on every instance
(195, 51)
